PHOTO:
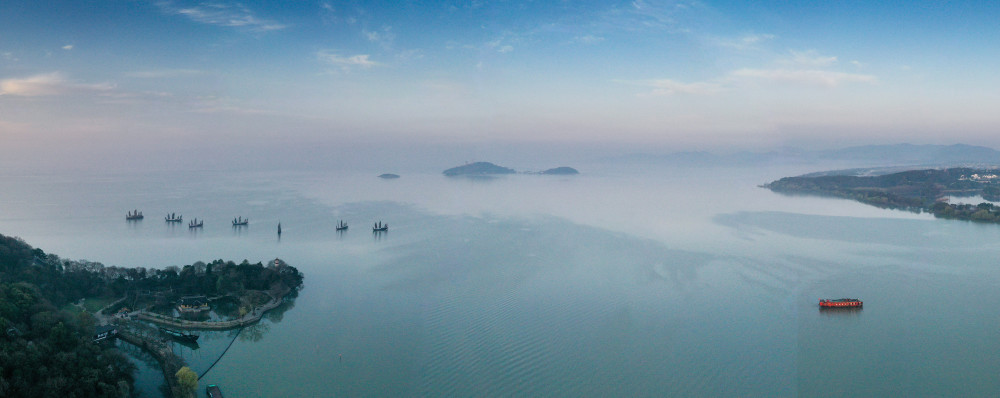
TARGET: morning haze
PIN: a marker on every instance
(664, 268)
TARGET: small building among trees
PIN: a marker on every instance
(192, 304)
(104, 332)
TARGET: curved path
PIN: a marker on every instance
(247, 319)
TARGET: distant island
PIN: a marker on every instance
(478, 169)
(487, 168)
(561, 171)
(914, 190)
(388, 176)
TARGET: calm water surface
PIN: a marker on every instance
(683, 282)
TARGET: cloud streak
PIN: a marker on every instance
(49, 84)
(347, 62)
(814, 77)
(741, 77)
(744, 43)
(672, 87)
(809, 59)
(164, 73)
(229, 15)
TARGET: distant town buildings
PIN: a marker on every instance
(979, 178)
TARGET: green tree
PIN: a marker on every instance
(188, 381)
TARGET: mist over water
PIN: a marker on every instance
(627, 282)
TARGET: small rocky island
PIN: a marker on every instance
(914, 190)
(487, 168)
(560, 171)
(388, 176)
(478, 169)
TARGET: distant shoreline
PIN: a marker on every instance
(914, 190)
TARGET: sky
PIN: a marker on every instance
(168, 82)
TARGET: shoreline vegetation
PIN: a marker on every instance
(920, 191)
(48, 346)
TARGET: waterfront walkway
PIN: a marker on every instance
(163, 352)
(247, 319)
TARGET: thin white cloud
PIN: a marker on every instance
(383, 38)
(410, 54)
(588, 39)
(804, 76)
(347, 62)
(499, 46)
(67, 47)
(164, 73)
(230, 15)
(654, 14)
(745, 42)
(670, 87)
(809, 59)
(213, 104)
(49, 84)
(800, 69)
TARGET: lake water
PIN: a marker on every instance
(675, 282)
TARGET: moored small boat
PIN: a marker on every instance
(213, 391)
(133, 215)
(379, 227)
(173, 217)
(239, 221)
(176, 334)
(341, 226)
(196, 224)
(840, 303)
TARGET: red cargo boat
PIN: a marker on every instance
(840, 303)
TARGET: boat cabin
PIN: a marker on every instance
(213, 391)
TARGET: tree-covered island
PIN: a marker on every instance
(915, 190)
(49, 312)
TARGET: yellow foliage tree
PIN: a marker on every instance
(188, 380)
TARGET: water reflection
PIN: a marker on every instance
(137, 354)
(278, 313)
(255, 332)
(851, 312)
(474, 178)
(191, 345)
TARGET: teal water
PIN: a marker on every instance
(689, 282)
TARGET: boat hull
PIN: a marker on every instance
(841, 303)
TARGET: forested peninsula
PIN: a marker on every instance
(48, 306)
(915, 190)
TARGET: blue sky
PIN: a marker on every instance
(111, 76)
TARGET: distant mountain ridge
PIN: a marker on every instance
(867, 155)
